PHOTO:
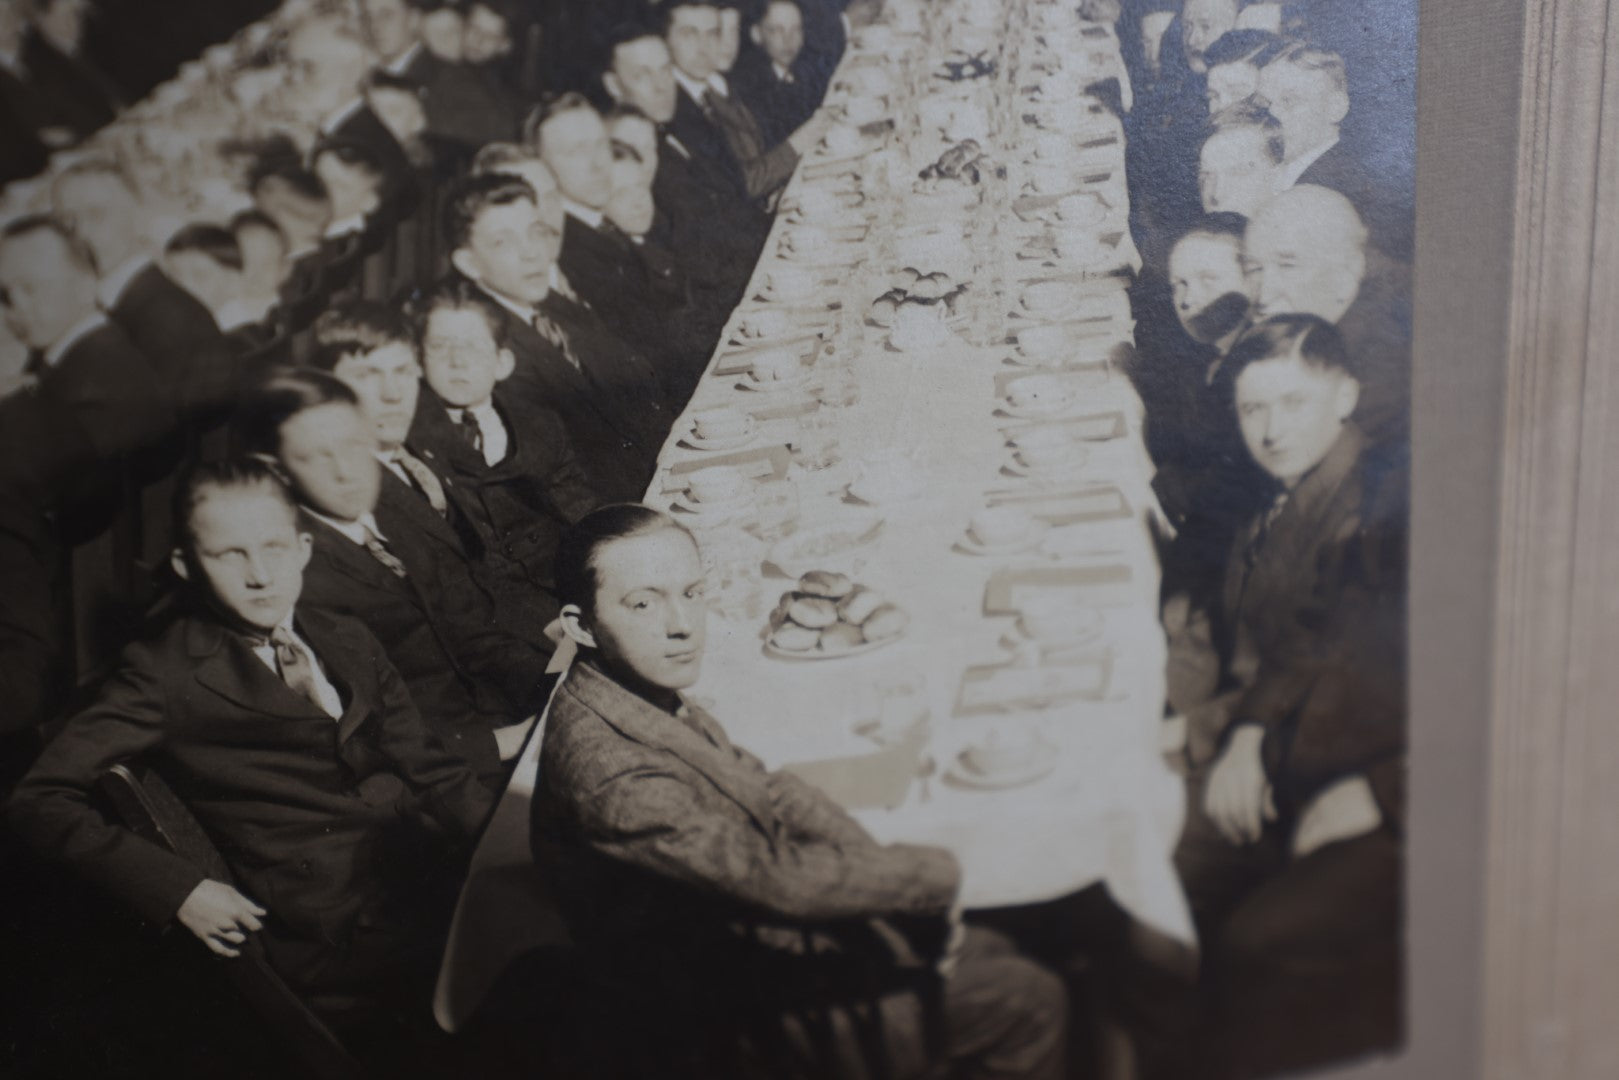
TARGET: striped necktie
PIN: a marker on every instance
(426, 482)
(296, 669)
(380, 552)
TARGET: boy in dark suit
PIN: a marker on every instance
(513, 466)
(477, 685)
(504, 236)
(728, 896)
(293, 741)
(1292, 846)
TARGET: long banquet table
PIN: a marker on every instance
(915, 418)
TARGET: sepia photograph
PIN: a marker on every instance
(691, 539)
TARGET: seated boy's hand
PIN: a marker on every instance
(220, 916)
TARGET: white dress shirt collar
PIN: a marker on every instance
(401, 63)
(1301, 164)
(782, 74)
(492, 429)
(93, 321)
(355, 530)
(330, 699)
(113, 284)
(336, 120)
(354, 223)
(521, 311)
(693, 87)
(590, 217)
(718, 84)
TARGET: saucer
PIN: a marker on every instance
(958, 773)
(774, 386)
(1029, 540)
(733, 443)
(714, 511)
(1056, 407)
(1018, 467)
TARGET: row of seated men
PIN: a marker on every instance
(297, 699)
(68, 67)
(136, 361)
(614, 251)
(1285, 608)
(1269, 157)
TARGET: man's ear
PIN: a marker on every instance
(463, 261)
(1337, 106)
(505, 365)
(1347, 397)
(180, 565)
(755, 36)
(614, 88)
(306, 549)
(573, 625)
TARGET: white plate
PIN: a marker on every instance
(816, 654)
(958, 772)
(1026, 542)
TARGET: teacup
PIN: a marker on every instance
(887, 477)
(1081, 246)
(1037, 392)
(1080, 208)
(719, 485)
(1053, 147)
(776, 365)
(1047, 297)
(844, 140)
(719, 424)
(1041, 343)
(817, 203)
(996, 526)
(1003, 751)
(863, 110)
(1045, 447)
(764, 325)
(790, 283)
(1049, 179)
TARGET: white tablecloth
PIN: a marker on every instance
(1109, 810)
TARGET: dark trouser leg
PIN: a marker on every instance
(1003, 1017)
(1307, 968)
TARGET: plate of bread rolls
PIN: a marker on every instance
(827, 616)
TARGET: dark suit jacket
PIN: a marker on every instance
(1318, 615)
(59, 93)
(178, 335)
(709, 224)
(722, 169)
(766, 166)
(466, 675)
(110, 397)
(641, 297)
(310, 813)
(612, 404)
(779, 106)
(1387, 209)
(675, 846)
(523, 502)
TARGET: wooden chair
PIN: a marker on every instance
(144, 804)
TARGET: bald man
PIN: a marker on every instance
(1307, 253)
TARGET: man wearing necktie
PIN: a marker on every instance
(504, 240)
(779, 80)
(1290, 856)
(297, 747)
(692, 31)
(477, 684)
(606, 268)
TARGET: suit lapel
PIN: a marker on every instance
(353, 561)
(643, 722)
(344, 669)
(230, 670)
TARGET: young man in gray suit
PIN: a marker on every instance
(723, 900)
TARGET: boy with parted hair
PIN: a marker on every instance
(294, 742)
